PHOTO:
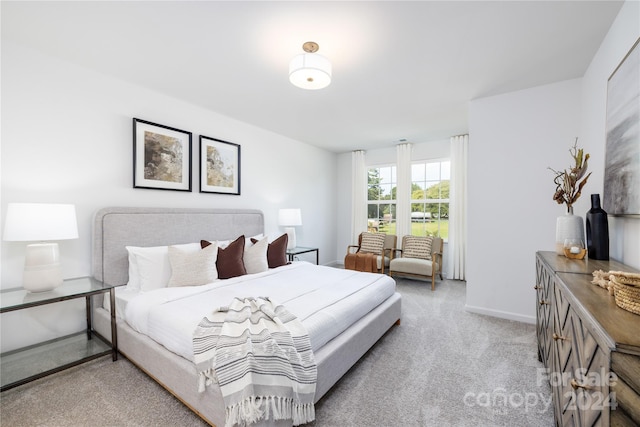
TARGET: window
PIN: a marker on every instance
(381, 199)
(430, 198)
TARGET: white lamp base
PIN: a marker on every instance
(42, 270)
(291, 237)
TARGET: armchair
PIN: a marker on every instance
(383, 252)
(420, 256)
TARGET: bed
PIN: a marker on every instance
(354, 330)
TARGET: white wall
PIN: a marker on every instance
(511, 214)
(624, 233)
(67, 138)
(513, 137)
(432, 150)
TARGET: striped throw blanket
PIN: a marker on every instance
(260, 355)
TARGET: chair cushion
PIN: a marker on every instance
(417, 247)
(379, 262)
(372, 243)
(411, 265)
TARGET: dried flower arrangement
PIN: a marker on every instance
(569, 183)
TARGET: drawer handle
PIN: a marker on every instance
(558, 337)
(543, 302)
(536, 287)
(575, 385)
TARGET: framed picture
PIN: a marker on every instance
(622, 157)
(161, 157)
(219, 166)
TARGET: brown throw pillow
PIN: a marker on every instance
(276, 252)
(229, 263)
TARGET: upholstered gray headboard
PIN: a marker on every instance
(117, 227)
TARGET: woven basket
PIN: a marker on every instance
(626, 290)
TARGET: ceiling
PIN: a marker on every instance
(401, 70)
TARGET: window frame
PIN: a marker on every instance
(438, 201)
(392, 202)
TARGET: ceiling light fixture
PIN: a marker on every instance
(310, 70)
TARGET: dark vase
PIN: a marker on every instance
(597, 230)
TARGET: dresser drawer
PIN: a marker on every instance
(580, 369)
(627, 400)
(620, 419)
(627, 367)
(626, 388)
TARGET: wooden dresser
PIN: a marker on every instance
(590, 346)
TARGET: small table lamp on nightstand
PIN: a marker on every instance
(289, 218)
(29, 222)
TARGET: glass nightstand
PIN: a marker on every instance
(20, 366)
(291, 253)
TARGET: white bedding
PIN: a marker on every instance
(327, 300)
(123, 296)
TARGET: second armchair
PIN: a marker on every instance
(420, 256)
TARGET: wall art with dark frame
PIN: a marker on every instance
(219, 166)
(622, 157)
(161, 157)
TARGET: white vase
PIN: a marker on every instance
(568, 226)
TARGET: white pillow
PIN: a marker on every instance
(134, 275)
(193, 269)
(154, 269)
(255, 256)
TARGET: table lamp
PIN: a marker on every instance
(40, 222)
(289, 219)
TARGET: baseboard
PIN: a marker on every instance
(501, 314)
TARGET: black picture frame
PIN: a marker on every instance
(220, 166)
(161, 157)
(622, 153)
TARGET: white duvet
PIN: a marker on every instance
(327, 300)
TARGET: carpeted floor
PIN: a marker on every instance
(440, 367)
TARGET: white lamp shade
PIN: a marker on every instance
(27, 222)
(310, 71)
(289, 217)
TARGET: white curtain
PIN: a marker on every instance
(458, 206)
(358, 194)
(403, 190)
